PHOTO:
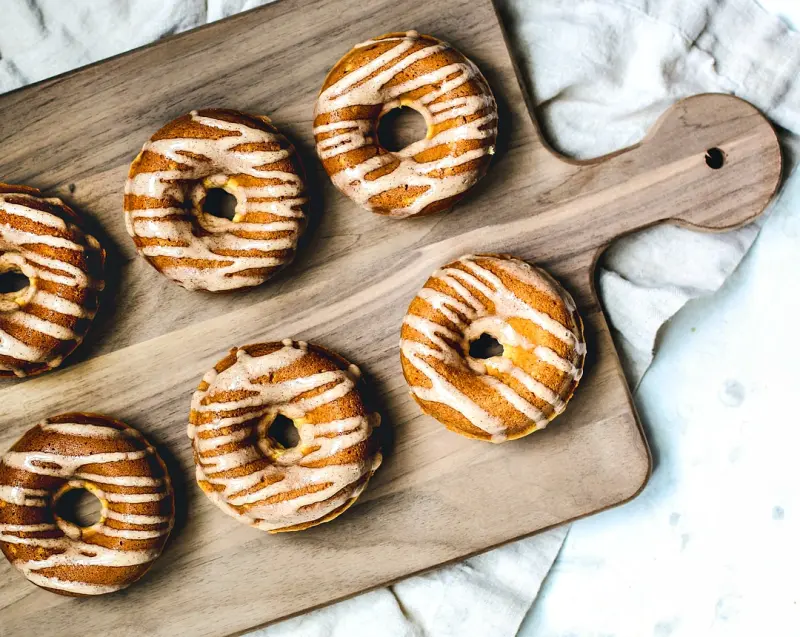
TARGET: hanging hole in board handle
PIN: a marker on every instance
(715, 158)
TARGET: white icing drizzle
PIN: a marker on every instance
(89, 431)
(61, 466)
(66, 545)
(472, 318)
(133, 534)
(357, 88)
(136, 498)
(137, 518)
(23, 496)
(122, 481)
(27, 528)
(211, 163)
(289, 470)
(22, 237)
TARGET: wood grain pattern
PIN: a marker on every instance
(438, 497)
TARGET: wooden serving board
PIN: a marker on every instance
(438, 497)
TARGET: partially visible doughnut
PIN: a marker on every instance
(115, 463)
(44, 322)
(433, 78)
(166, 190)
(251, 476)
(501, 397)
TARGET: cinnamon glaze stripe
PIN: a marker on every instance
(501, 397)
(115, 463)
(166, 191)
(252, 477)
(423, 73)
(45, 321)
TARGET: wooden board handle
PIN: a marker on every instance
(726, 155)
(711, 161)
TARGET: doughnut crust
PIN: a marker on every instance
(430, 76)
(166, 190)
(251, 476)
(502, 397)
(42, 239)
(110, 460)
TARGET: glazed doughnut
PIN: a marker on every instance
(44, 322)
(501, 397)
(167, 186)
(430, 76)
(110, 460)
(253, 477)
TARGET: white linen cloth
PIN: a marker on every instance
(601, 71)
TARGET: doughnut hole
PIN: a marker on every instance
(220, 203)
(16, 285)
(278, 434)
(401, 125)
(284, 432)
(490, 346)
(485, 346)
(77, 506)
(485, 338)
(214, 202)
(13, 281)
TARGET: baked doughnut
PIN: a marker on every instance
(167, 186)
(44, 322)
(430, 76)
(110, 460)
(251, 476)
(501, 397)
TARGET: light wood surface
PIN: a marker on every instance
(438, 497)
